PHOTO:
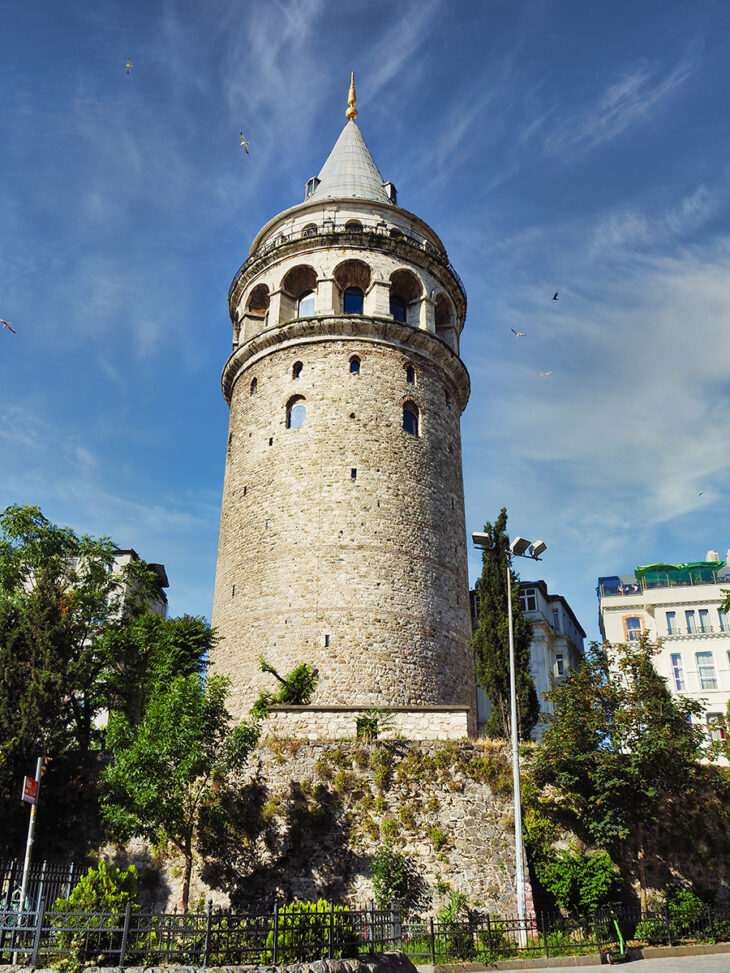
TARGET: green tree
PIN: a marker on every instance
(491, 639)
(168, 767)
(621, 749)
(59, 594)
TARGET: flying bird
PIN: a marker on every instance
(518, 334)
(129, 65)
(701, 494)
(546, 373)
(555, 296)
(8, 325)
(244, 143)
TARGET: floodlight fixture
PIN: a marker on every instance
(519, 546)
(537, 549)
(480, 539)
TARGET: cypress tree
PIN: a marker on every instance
(491, 639)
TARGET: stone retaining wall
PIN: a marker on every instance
(341, 722)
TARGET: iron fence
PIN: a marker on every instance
(47, 881)
(215, 937)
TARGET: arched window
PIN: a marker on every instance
(410, 375)
(354, 226)
(254, 384)
(310, 230)
(296, 412)
(354, 365)
(395, 232)
(410, 418)
(398, 308)
(296, 369)
(354, 298)
(307, 304)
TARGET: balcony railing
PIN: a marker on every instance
(670, 579)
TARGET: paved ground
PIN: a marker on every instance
(717, 963)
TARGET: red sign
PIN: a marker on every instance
(30, 790)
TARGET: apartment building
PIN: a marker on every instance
(679, 605)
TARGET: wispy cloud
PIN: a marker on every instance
(623, 103)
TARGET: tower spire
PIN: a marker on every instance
(351, 113)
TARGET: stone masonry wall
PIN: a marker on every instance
(363, 575)
(316, 812)
(341, 722)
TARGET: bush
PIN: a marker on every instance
(303, 934)
(578, 882)
(90, 919)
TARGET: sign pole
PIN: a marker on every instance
(27, 793)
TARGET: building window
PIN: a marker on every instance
(716, 727)
(307, 304)
(677, 673)
(633, 629)
(410, 375)
(353, 474)
(556, 622)
(724, 621)
(689, 617)
(311, 186)
(559, 664)
(296, 413)
(705, 620)
(410, 418)
(310, 230)
(326, 641)
(671, 623)
(296, 369)
(354, 365)
(253, 386)
(353, 302)
(528, 599)
(354, 226)
(398, 308)
(706, 670)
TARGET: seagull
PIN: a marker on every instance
(518, 334)
(7, 324)
(129, 65)
(555, 296)
(546, 373)
(244, 143)
(701, 494)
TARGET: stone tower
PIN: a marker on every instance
(342, 538)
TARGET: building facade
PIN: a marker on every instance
(556, 647)
(678, 604)
(342, 538)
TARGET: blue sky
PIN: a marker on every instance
(570, 146)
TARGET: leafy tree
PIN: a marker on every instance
(577, 881)
(621, 748)
(491, 639)
(147, 653)
(58, 595)
(172, 763)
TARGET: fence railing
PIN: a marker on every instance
(279, 937)
(47, 881)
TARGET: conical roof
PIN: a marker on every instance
(350, 172)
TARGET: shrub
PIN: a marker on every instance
(303, 934)
(579, 882)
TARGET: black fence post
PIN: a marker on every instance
(208, 924)
(433, 944)
(397, 926)
(37, 937)
(371, 926)
(330, 930)
(275, 950)
(489, 939)
(545, 943)
(125, 932)
(668, 925)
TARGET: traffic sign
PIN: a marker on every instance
(30, 790)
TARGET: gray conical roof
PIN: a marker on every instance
(350, 171)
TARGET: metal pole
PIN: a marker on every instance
(29, 846)
(519, 863)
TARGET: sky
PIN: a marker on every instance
(554, 145)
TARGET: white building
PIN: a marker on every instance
(158, 605)
(557, 644)
(678, 604)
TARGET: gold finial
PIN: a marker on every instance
(351, 112)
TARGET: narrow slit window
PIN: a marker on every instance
(410, 418)
(354, 365)
(410, 375)
(297, 369)
(253, 386)
(296, 413)
(353, 474)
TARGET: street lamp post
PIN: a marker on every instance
(520, 547)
